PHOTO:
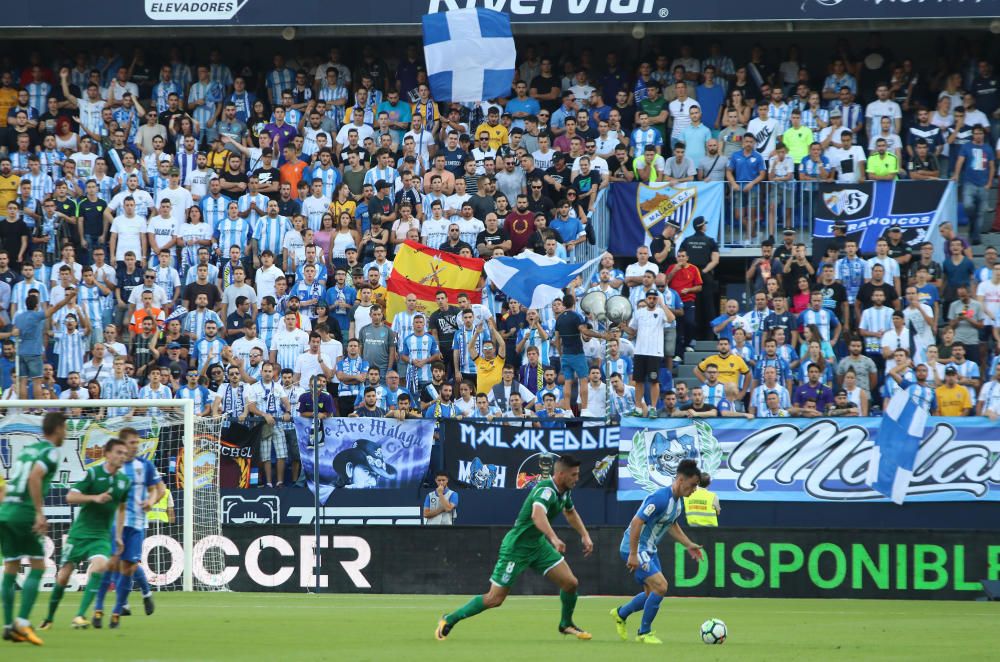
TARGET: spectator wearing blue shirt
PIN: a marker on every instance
(695, 136)
(975, 168)
(521, 106)
(28, 326)
(746, 169)
(711, 95)
(569, 227)
(728, 321)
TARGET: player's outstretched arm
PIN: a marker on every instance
(678, 534)
(576, 522)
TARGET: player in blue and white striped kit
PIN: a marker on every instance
(657, 515)
(147, 488)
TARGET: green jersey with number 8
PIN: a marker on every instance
(17, 505)
(524, 533)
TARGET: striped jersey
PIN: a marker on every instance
(402, 326)
(162, 393)
(208, 346)
(758, 398)
(113, 388)
(534, 339)
(875, 319)
(418, 347)
(232, 232)
(355, 366)
(851, 274)
(623, 404)
(658, 513)
(824, 320)
(270, 232)
(461, 343)
(144, 475)
(288, 345)
(70, 347)
(330, 178)
(245, 202)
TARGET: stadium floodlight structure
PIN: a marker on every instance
(186, 450)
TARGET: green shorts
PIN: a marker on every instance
(513, 561)
(76, 550)
(17, 541)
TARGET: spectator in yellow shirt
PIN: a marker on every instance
(730, 365)
(496, 130)
(489, 364)
(952, 399)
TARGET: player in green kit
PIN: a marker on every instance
(101, 495)
(23, 525)
(533, 544)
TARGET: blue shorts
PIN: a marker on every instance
(574, 366)
(30, 366)
(649, 565)
(133, 539)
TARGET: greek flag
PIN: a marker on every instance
(470, 54)
(534, 280)
(895, 451)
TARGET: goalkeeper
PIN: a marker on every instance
(102, 495)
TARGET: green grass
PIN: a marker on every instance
(231, 626)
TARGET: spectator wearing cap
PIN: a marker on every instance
(841, 406)
(952, 398)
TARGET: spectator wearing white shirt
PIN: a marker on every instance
(883, 106)
(848, 161)
(891, 266)
(680, 110)
(765, 131)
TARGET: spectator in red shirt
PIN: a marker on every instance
(685, 279)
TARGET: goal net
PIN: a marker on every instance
(181, 550)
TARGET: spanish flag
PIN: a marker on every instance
(424, 271)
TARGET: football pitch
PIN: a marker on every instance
(230, 626)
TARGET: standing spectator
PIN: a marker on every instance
(965, 316)
(974, 168)
(441, 505)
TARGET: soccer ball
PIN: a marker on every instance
(713, 631)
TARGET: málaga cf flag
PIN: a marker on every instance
(424, 271)
(534, 280)
(470, 54)
(895, 451)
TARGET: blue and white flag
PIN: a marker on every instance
(896, 444)
(470, 54)
(534, 280)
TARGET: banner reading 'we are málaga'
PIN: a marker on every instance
(813, 460)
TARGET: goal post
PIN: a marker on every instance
(184, 448)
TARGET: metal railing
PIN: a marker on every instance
(764, 212)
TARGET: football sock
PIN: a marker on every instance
(54, 599)
(568, 605)
(103, 590)
(140, 581)
(30, 590)
(632, 606)
(7, 588)
(122, 589)
(469, 609)
(649, 612)
(93, 585)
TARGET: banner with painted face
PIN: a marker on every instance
(808, 460)
(508, 456)
(365, 453)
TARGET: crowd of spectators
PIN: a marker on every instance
(205, 229)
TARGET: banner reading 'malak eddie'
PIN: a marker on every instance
(813, 460)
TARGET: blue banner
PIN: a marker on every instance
(641, 210)
(365, 453)
(813, 460)
(871, 208)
